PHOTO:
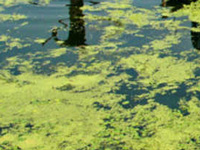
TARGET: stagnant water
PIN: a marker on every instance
(97, 75)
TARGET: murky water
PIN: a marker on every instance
(97, 75)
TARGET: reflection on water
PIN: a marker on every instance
(195, 36)
(76, 35)
(176, 5)
(77, 28)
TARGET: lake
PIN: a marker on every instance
(99, 75)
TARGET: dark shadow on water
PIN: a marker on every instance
(130, 91)
(15, 71)
(172, 98)
(175, 6)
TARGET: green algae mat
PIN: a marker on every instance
(99, 75)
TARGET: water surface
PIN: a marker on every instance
(97, 75)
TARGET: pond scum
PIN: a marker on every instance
(113, 96)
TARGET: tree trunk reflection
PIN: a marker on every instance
(77, 29)
(176, 5)
(76, 35)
